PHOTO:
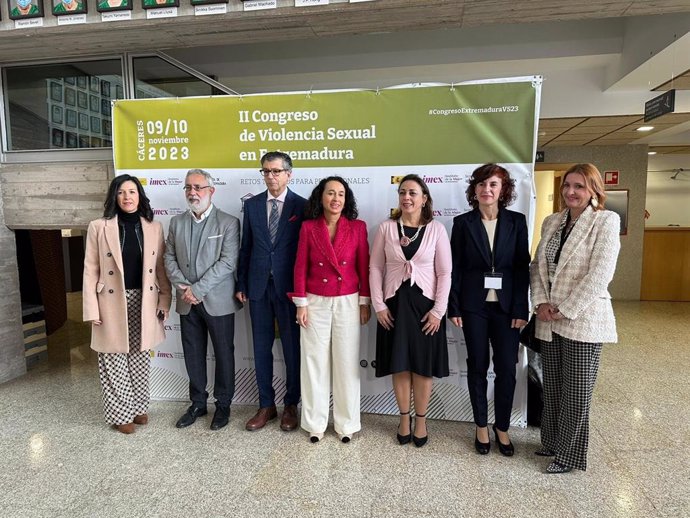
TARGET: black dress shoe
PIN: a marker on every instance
(482, 448)
(506, 449)
(556, 467)
(190, 416)
(405, 439)
(220, 418)
(420, 441)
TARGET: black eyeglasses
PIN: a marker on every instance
(272, 172)
(197, 188)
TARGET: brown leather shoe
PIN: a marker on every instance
(289, 420)
(141, 419)
(126, 428)
(263, 416)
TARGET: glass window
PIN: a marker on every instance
(155, 77)
(61, 106)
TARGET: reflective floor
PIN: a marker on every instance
(58, 458)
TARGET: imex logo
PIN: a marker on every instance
(161, 212)
(438, 213)
(157, 181)
(144, 181)
(433, 179)
(161, 354)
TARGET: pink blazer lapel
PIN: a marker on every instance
(112, 236)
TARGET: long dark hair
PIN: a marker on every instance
(314, 204)
(111, 207)
(427, 208)
(483, 173)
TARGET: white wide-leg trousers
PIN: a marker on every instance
(330, 350)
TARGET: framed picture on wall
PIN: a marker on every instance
(70, 96)
(57, 137)
(94, 103)
(56, 114)
(105, 123)
(56, 92)
(95, 124)
(81, 82)
(105, 88)
(105, 106)
(71, 118)
(21, 9)
(62, 7)
(70, 80)
(70, 139)
(83, 121)
(96, 142)
(119, 92)
(94, 84)
(105, 6)
(155, 4)
(617, 201)
(83, 100)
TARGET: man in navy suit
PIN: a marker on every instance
(270, 232)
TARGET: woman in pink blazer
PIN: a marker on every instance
(332, 299)
(569, 278)
(410, 278)
(127, 297)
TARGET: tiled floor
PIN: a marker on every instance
(59, 459)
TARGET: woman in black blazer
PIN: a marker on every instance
(488, 296)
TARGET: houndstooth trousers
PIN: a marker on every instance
(570, 371)
(125, 376)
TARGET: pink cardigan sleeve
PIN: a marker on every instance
(377, 265)
(443, 266)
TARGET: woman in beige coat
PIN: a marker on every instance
(570, 274)
(127, 297)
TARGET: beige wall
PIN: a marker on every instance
(631, 161)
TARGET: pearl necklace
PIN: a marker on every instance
(404, 240)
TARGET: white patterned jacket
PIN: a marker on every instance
(580, 284)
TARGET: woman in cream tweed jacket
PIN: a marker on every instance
(570, 274)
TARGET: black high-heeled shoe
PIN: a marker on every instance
(556, 468)
(405, 439)
(420, 441)
(506, 449)
(482, 448)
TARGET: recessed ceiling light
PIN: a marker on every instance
(651, 152)
(645, 128)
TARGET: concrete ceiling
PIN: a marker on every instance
(601, 60)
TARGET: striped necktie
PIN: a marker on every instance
(273, 221)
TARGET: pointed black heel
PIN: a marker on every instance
(506, 449)
(405, 439)
(420, 441)
(483, 448)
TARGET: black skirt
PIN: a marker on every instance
(406, 347)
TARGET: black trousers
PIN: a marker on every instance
(491, 324)
(195, 329)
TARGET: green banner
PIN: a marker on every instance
(464, 124)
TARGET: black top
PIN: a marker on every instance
(411, 249)
(131, 244)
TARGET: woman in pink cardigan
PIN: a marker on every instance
(332, 299)
(410, 275)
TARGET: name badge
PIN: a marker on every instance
(493, 281)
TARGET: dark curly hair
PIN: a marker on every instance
(427, 208)
(483, 173)
(111, 207)
(315, 206)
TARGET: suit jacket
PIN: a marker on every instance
(430, 268)
(580, 284)
(330, 270)
(104, 286)
(216, 261)
(260, 258)
(472, 259)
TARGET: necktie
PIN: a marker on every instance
(273, 221)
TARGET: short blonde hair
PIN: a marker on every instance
(593, 182)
